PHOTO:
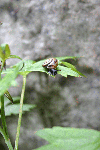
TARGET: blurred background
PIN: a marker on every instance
(38, 29)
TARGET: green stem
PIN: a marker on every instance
(3, 113)
(20, 113)
(4, 131)
(7, 140)
(3, 116)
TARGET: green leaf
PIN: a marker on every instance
(27, 64)
(67, 71)
(16, 98)
(67, 57)
(5, 51)
(7, 102)
(23, 70)
(70, 139)
(8, 70)
(14, 56)
(72, 68)
(30, 66)
(64, 70)
(6, 81)
(14, 109)
(1, 55)
(14, 83)
(35, 66)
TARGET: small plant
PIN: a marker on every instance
(59, 138)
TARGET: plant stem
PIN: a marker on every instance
(7, 141)
(3, 112)
(3, 116)
(4, 131)
(20, 113)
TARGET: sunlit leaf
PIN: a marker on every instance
(62, 138)
(72, 68)
(5, 83)
(30, 66)
(14, 56)
(14, 109)
(1, 54)
(27, 64)
(67, 71)
(38, 67)
(5, 50)
(6, 101)
(67, 57)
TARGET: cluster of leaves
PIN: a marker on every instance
(59, 138)
(24, 67)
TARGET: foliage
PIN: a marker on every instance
(59, 138)
(67, 70)
(62, 138)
